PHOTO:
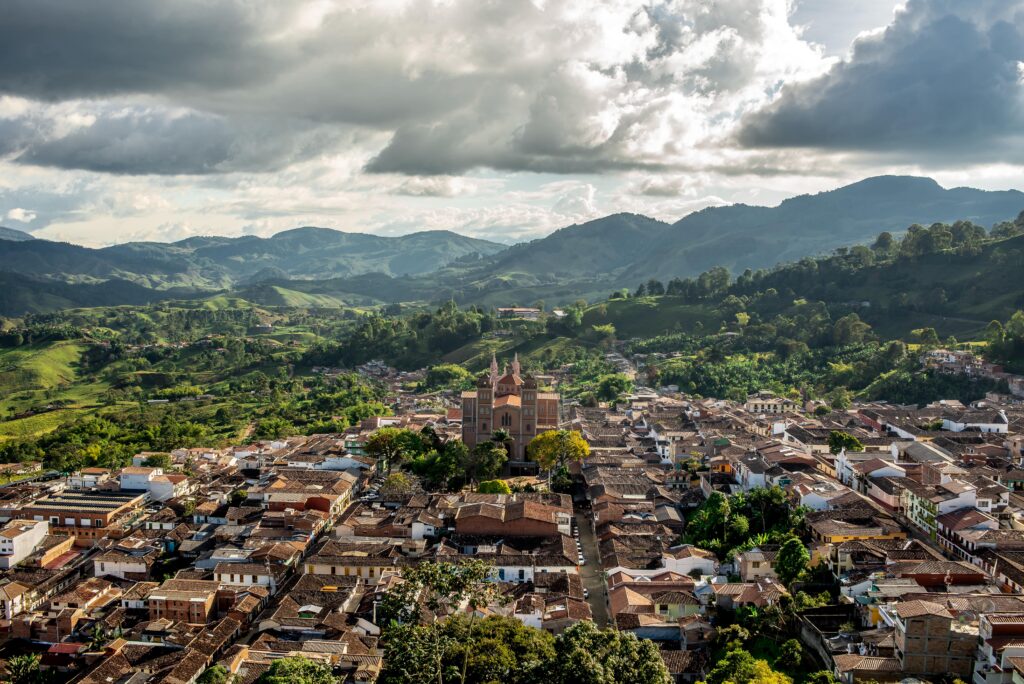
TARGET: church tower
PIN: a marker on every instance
(515, 365)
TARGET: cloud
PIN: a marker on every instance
(564, 86)
(435, 186)
(21, 215)
(942, 82)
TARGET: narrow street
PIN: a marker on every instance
(591, 573)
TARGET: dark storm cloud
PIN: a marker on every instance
(140, 141)
(944, 79)
(56, 50)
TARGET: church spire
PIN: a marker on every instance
(494, 368)
(515, 365)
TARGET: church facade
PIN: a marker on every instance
(508, 401)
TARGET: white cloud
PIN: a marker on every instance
(21, 215)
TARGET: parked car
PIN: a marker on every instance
(586, 593)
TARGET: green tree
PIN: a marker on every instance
(792, 561)
(612, 386)
(840, 399)
(838, 441)
(158, 461)
(298, 670)
(738, 667)
(821, 677)
(584, 653)
(791, 654)
(494, 487)
(23, 668)
(274, 427)
(484, 462)
(217, 674)
(387, 445)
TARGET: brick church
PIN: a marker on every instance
(509, 402)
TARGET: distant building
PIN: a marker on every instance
(525, 313)
(508, 402)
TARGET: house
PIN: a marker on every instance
(977, 421)
(757, 563)
(768, 403)
(19, 538)
(248, 574)
(183, 600)
(923, 504)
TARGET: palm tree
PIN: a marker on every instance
(502, 438)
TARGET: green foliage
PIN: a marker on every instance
(727, 524)
(791, 653)
(493, 487)
(739, 666)
(839, 441)
(298, 670)
(484, 462)
(158, 461)
(215, 674)
(584, 653)
(611, 387)
(23, 668)
(446, 376)
(793, 561)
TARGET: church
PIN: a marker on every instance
(510, 402)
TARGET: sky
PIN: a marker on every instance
(503, 119)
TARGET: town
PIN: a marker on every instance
(870, 543)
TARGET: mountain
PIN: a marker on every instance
(21, 294)
(626, 249)
(741, 236)
(217, 263)
(322, 266)
(14, 235)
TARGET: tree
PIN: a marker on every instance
(23, 668)
(238, 497)
(396, 487)
(821, 677)
(739, 666)
(494, 487)
(840, 399)
(438, 587)
(584, 653)
(386, 446)
(611, 386)
(274, 427)
(484, 462)
(298, 670)
(158, 461)
(792, 561)
(732, 637)
(557, 447)
(499, 649)
(838, 441)
(216, 674)
(790, 655)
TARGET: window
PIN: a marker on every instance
(522, 574)
(528, 427)
(483, 426)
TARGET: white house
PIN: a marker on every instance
(977, 421)
(245, 575)
(137, 478)
(19, 538)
